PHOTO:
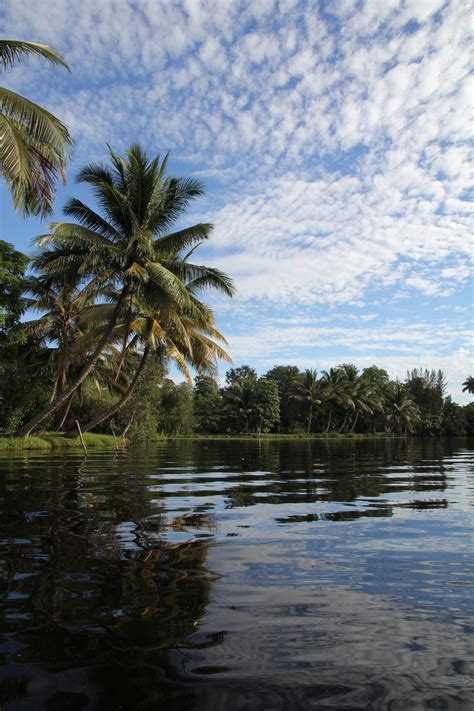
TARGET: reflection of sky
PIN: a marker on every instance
(359, 647)
(330, 574)
(379, 602)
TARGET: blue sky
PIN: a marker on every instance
(334, 139)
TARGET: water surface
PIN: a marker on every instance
(238, 575)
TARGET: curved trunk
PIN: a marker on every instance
(120, 403)
(87, 370)
(65, 414)
(344, 423)
(355, 420)
(329, 420)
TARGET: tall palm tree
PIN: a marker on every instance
(307, 389)
(468, 385)
(129, 246)
(34, 144)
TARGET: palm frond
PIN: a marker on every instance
(12, 51)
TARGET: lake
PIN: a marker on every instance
(236, 575)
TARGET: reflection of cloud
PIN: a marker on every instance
(339, 641)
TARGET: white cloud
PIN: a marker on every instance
(340, 143)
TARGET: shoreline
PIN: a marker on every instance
(54, 441)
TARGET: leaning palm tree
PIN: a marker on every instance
(34, 144)
(186, 337)
(61, 304)
(67, 337)
(128, 246)
(468, 385)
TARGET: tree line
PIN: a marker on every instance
(287, 400)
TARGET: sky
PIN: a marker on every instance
(334, 139)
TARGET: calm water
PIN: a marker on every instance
(234, 576)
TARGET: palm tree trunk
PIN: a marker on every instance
(345, 420)
(65, 414)
(310, 417)
(120, 403)
(355, 420)
(123, 434)
(87, 369)
(329, 420)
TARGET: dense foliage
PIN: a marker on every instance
(119, 299)
(40, 357)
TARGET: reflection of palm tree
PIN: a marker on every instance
(33, 142)
(468, 385)
(149, 599)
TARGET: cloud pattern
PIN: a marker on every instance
(335, 140)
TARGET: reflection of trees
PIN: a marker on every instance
(95, 592)
(336, 471)
(89, 581)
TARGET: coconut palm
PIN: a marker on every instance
(65, 333)
(468, 385)
(335, 390)
(128, 246)
(243, 396)
(402, 413)
(34, 144)
(366, 401)
(307, 389)
(183, 336)
(62, 304)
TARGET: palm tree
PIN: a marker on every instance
(243, 395)
(66, 332)
(334, 385)
(468, 385)
(62, 304)
(366, 401)
(34, 144)
(306, 388)
(129, 246)
(185, 337)
(402, 413)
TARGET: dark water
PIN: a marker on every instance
(234, 575)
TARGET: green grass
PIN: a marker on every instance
(54, 440)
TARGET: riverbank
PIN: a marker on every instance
(54, 440)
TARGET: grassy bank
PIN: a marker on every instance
(54, 440)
